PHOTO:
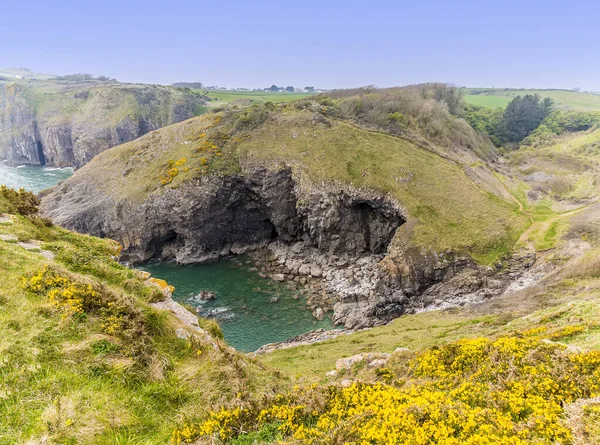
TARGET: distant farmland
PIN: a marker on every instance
(226, 96)
(493, 98)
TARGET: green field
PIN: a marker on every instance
(12, 73)
(571, 100)
(227, 96)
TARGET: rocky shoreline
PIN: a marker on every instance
(308, 338)
(361, 293)
(469, 286)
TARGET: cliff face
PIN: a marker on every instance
(18, 130)
(201, 221)
(320, 229)
(61, 124)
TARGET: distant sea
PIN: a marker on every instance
(32, 178)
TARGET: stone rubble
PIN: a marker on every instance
(316, 336)
(374, 359)
(360, 291)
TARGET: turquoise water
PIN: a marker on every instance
(31, 177)
(243, 304)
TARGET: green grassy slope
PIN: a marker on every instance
(566, 168)
(497, 97)
(57, 101)
(85, 359)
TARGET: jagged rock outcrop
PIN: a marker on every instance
(221, 215)
(203, 220)
(70, 126)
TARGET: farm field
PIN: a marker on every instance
(259, 97)
(495, 97)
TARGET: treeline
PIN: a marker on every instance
(83, 77)
(527, 120)
(559, 122)
(191, 85)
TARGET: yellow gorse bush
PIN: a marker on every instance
(70, 297)
(74, 298)
(511, 390)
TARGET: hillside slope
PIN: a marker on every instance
(87, 355)
(66, 123)
(88, 358)
(353, 199)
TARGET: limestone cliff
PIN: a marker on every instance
(59, 123)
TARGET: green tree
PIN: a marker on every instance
(274, 88)
(483, 119)
(522, 116)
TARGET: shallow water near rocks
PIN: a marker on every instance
(31, 177)
(243, 305)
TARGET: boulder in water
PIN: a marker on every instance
(319, 314)
(206, 295)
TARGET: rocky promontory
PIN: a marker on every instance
(364, 222)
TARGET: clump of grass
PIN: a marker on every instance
(211, 326)
(588, 266)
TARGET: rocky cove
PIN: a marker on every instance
(330, 241)
(251, 310)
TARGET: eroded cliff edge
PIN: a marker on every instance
(65, 124)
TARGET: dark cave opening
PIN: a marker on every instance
(40, 153)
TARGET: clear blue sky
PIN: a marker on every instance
(323, 43)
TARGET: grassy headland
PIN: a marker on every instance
(443, 198)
